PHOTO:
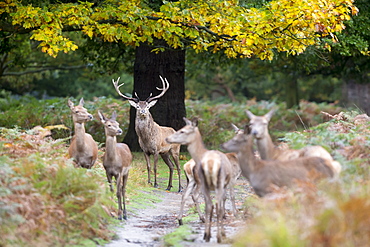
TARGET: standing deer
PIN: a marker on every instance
(214, 170)
(268, 151)
(116, 160)
(83, 149)
(152, 136)
(193, 185)
(263, 174)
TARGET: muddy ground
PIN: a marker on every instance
(146, 227)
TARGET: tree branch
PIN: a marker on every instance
(43, 69)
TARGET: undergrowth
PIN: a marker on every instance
(45, 201)
(215, 119)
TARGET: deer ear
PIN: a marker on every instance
(132, 103)
(194, 122)
(82, 102)
(235, 128)
(114, 116)
(70, 104)
(247, 129)
(102, 117)
(250, 114)
(187, 121)
(269, 114)
(152, 103)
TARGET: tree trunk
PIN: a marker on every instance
(170, 108)
(292, 98)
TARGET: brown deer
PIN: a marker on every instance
(116, 160)
(214, 170)
(83, 149)
(268, 151)
(152, 136)
(193, 185)
(263, 174)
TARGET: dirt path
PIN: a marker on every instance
(145, 227)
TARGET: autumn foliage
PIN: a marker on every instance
(226, 26)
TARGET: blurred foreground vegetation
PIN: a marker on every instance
(44, 200)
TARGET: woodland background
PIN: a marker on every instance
(322, 95)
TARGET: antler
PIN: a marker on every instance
(166, 86)
(116, 86)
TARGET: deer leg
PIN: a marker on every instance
(208, 221)
(155, 170)
(188, 190)
(109, 178)
(220, 211)
(147, 158)
(196, 192)
(119, 195)
(167, 160)
(124, 183)
(232, 197)
(195, 196)
(175, 157)
(209, 211)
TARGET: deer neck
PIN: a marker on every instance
(145, 123)
(110, 146)
(80, 135)
(246, 157)
(266, 147)
(197, 148)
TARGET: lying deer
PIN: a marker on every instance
(116, 160)
(214, 170)
(83, 149)
(152, 136)
(263, 174)
(268, 151)
(193, 185)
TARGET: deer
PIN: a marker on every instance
(268, 151)
(152, 136)
(83, 149)
(193, 182)
(193, 185)
(263, 175)
(117, 160)
(214, 171)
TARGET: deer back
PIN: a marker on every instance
(216, 169)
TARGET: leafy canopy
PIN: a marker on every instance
(227, 26)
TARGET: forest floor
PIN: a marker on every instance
(147, 227)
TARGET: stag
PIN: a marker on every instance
(152, 136)
(83, 149)
(116, 160)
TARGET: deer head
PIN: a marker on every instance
(143, 106)
(79, 113)
(186, 135)
(111, 125)
(238, 141)
(259, 124)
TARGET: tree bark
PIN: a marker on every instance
(170, 108)
(292, 98)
